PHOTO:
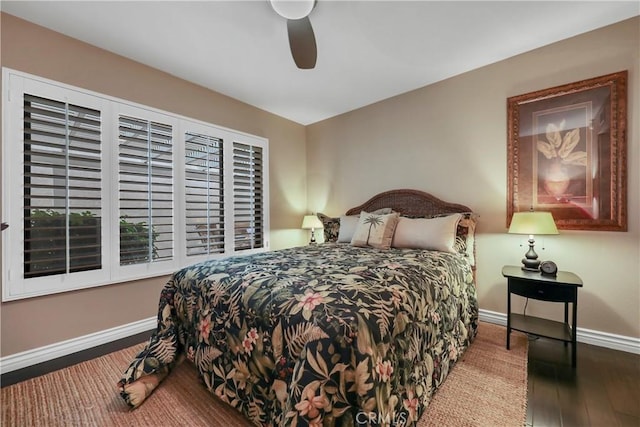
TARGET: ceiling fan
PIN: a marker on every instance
(302, 41)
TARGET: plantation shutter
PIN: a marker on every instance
(145, 159)
(98, 190)
(62, 184)
(247, 196)
(204, 194)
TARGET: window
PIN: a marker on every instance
(98, 190)
(204, 194)
(145, 186)
(62, 181)
(247, 196)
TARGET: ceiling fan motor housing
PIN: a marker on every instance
(293, 9)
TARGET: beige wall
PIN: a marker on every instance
(35, 322)
(450, 139)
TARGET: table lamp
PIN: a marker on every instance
(532, 223)
(311, 222)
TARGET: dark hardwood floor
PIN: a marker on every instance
(603, 390)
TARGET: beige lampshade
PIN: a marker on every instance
(533, 223)
(309, 222)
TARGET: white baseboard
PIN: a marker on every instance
(587, 336)
(53, 351)
(493, 317)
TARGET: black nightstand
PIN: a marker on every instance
(532, 284)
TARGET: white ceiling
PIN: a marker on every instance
(367, 50)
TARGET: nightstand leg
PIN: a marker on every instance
(508, 317)
(574, 331)
(566, 317)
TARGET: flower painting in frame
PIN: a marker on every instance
(566, 153)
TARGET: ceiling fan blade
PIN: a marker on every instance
(302, 42)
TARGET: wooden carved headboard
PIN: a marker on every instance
(413, 203)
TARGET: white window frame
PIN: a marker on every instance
(15, 286)
(123, 272)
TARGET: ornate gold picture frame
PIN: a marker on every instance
(567, 153)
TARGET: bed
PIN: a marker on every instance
(339, 333)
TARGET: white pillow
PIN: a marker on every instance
(427, 233)
(347, 228)
(375, 230)
(349, 223)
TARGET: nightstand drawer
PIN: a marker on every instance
(542, 291)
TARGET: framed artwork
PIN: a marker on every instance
(567, 153)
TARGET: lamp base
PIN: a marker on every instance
(530, 264)
(530, 261)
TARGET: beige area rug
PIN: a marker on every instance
(488, 387)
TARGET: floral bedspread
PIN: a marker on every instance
(329, 334)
